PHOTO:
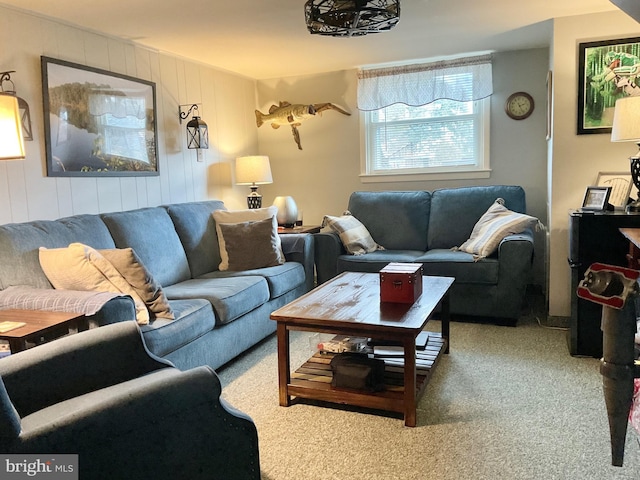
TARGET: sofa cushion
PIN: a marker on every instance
(136, 274)
(247, 215)
(353, 234)
(151, 233)
(251, 244)
(80, 267)
(19, 243)
(280, 278)
(460, 265)
(375, 261)
(396, 220)
(497, 222)
(196, 228)
(466, 205)
(231, 297)
(193, 318)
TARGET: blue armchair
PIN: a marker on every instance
(126, 413)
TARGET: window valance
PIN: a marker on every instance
(462, 79)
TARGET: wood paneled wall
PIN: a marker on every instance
(227, 103)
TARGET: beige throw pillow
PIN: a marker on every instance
(354, 235)
(251, 244)
(496, 223)
(80, 267)
(239, 216)
(127, 262)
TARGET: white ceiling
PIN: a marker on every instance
(268, 38)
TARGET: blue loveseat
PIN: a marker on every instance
(218, 314)
(423, 227)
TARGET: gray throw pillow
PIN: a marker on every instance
(251, 244)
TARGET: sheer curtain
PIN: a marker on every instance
(462, 79)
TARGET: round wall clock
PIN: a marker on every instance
(519, 105)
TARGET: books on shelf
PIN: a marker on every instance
(393, 354)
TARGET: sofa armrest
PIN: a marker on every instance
(77, 364)
(177, 423)
(299, 247)
(328, 247)
(515, 255)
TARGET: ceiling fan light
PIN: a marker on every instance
(351, 18)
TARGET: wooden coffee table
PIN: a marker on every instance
(349, 304)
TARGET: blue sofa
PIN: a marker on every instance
(422, 227)
(218, 314)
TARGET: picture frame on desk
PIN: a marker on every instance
(596, 198)
(621, 185)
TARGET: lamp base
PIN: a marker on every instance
(633, 207)
(254, 201)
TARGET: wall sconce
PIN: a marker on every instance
(11, 140)
(197, 130)
(253, 170)
(25, 116)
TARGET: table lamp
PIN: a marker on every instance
(253, 170)
(626, 128)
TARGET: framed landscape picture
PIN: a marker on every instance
(97, 123)
(607, 70)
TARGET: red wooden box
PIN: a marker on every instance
(401, 282)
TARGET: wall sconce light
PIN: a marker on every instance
(11, 139)
(197, 130)
(25, 116)
(253, 170)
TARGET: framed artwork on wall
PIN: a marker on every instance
(97, 123)
(607, 70)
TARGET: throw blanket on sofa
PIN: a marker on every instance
(28, 298)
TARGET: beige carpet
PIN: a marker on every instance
(507, 403)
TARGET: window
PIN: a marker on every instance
(431, 135)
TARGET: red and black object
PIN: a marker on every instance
(608, 285)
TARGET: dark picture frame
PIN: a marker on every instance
(596, 198)
(97, 123)
(605, 73)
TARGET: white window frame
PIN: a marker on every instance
(481, 169)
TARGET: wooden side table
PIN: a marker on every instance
(39, 326)
(299, 229)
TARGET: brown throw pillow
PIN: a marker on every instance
(127, 262)
(251, 244)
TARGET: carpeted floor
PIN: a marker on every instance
(507, 403)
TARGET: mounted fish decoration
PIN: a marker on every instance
(288, 114)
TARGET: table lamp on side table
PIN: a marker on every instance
(253, 170)
(626, 128)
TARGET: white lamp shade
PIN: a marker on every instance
(626, 120)
(253, 169)
(11, 141)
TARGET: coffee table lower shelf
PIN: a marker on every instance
(312, 380)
